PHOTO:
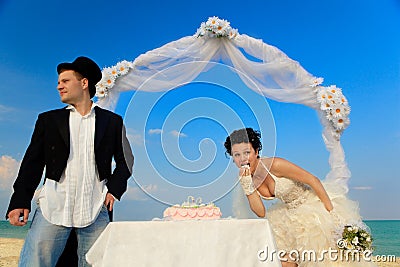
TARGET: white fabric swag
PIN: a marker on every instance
(265, 69)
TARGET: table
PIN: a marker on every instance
(219, 243)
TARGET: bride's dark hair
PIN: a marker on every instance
(245, 135)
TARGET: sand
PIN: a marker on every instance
(9, 251)
(390, 264)
(11, 247)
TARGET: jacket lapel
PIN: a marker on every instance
(100, 125)
(63, 125)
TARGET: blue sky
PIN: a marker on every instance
(353, 44)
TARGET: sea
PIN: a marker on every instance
(385, 233)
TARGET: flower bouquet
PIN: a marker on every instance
(355, 238)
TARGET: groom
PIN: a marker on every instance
(75, 145)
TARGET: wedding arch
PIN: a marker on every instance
(270, 72)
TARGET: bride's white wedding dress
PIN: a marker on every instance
(301, 222)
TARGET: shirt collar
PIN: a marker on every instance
(73, 109)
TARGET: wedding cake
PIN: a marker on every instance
(192, 210)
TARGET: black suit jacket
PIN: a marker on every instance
(50, 146)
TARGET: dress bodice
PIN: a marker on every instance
(289, 191)
(301, 223)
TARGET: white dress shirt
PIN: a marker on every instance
(76, 200)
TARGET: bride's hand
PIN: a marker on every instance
(329, 206)
(246, 181)
(335, 217)
(244, 170)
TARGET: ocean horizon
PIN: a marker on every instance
(385, 234)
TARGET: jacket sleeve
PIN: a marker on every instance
(30, 171)
(123, 157)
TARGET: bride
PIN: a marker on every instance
(310, 212)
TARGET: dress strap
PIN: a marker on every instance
(270, 173)
(273, 177)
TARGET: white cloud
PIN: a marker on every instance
(5, 111)
(136, 193)
(134, 137)
(178, 134)
(155, 131)
(8, 171)
(362, 188)
(174, 132)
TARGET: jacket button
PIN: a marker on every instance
(53, 147)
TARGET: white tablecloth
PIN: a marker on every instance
(219, 243)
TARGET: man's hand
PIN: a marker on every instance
(109, 202)
(14, 217)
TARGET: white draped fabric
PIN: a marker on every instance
(262, 68)
(275, 76)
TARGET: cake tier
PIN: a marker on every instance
(195, 213)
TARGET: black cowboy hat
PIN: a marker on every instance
(87, 68)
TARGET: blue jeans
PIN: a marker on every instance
(45, 242)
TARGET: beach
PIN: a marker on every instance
(9, 251)
(11, 247)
